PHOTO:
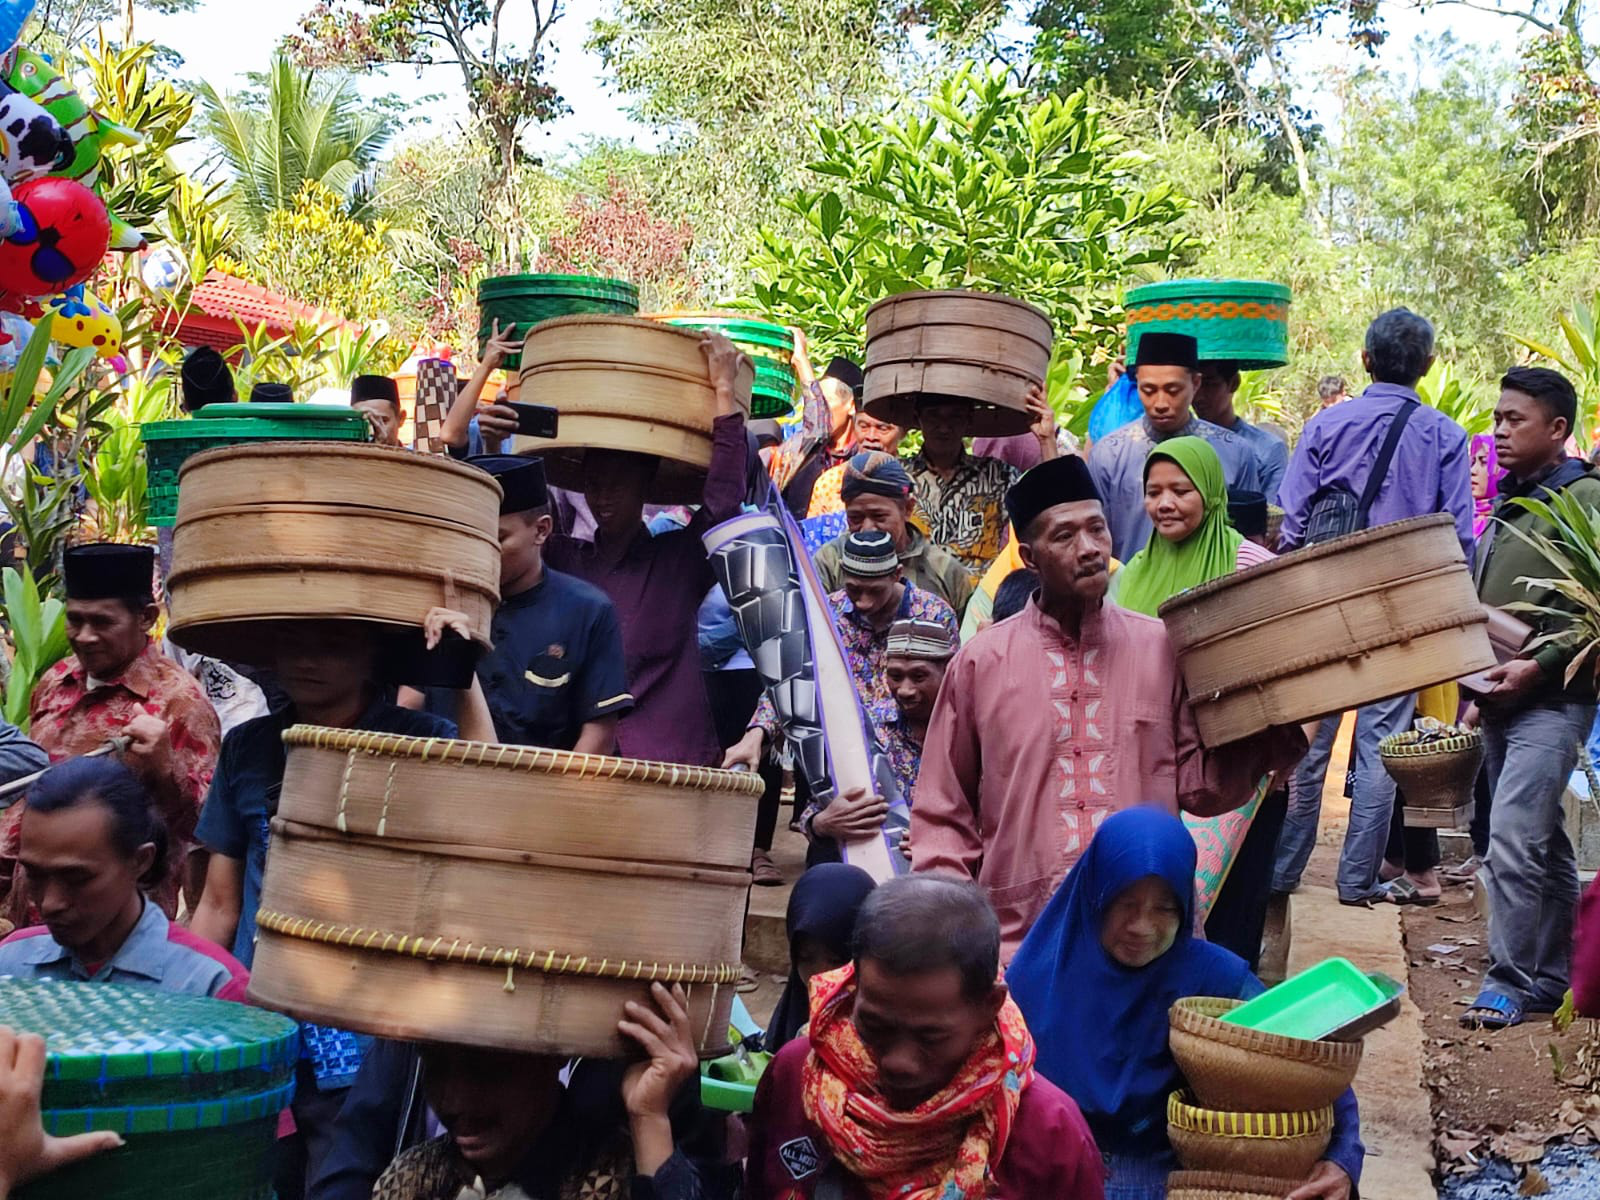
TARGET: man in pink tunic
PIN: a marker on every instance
(1068, 711)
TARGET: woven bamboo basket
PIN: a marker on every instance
(1227, 1185)
(1328, 628)
(1436, 777)
(1282, 1145)
(977, 346)
(624, 383)
(292, 531)
(521, 917)
(1243, 1070)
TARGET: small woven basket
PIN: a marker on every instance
(1435, 776)
(1226, 1185)
(1281, 1145)
(1244, 1070)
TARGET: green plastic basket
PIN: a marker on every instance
(522, 301)
(169, 444)
(194, 1086)
(770, 347)
(1241, 320)
(1316, 1002)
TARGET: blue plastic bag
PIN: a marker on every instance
(1117, 406)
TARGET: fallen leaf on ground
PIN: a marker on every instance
(1533, 1183)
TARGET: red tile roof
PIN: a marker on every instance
(222, 301)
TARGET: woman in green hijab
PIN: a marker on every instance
(1186, 496)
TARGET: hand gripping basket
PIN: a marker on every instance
(1282, 1145)
(1243, 1070)
(1435, 776)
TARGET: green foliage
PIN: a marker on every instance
(972, 187)
(1579, 358)
(1467, 406)
(114, 470)
(1572, 551)
(312, 250)
(309, 128)
(38, 627)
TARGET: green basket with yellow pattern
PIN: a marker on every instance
(1242, 321)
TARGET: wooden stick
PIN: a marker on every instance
(17, 786)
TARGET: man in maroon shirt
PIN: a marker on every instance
(916, 1074)
(657, 583)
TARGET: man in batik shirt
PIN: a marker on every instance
(915, 659)
(117, 683)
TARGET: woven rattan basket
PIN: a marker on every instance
(1281, 1145)
(1243, 1070)
(295, 531)
(980, 347)
(1435, 777)
(1328, 628)
(624, 383)
(1227, 1185)
(500, 896)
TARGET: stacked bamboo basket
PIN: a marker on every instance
(629, 384)
(979, 347)
(1259, 1104)
(1329, 628)
(281, 532)
(514, 897)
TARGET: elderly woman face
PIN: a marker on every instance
(1174, 504)
(1141, 923)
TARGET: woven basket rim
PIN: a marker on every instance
(963, 293)
(1229, 1181)
(1378, 533)
(1189, 1016)
(523, 758)
(1408, 744)
(629, 321)
(1191, 1117)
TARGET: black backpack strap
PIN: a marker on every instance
(1380, 469)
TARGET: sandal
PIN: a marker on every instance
(1403, 891)
(763, 871)
(1491, 1010)
(1462, 872)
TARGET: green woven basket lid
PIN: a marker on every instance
(232, 1163)
(1243, 320)
(739, 329)
(561, 285)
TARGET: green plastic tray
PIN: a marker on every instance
(1243, 320)
(1315, 1003)
(298, 413)
(727, 1097)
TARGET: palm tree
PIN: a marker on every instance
(309, 128)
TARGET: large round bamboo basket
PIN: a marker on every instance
(1329, 628)
(1435, 777)
(1237, 1069)
(293, 531)
(500, 896)
(977, 346)
(624, 383)
(1276, 1144)
(1227, 1185)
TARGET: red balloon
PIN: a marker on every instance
(65, 233)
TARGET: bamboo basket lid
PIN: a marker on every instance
(524, 919)
(295, 531)
(981, 347)
(1328, 628)
(624, 383)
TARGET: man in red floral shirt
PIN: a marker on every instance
(117, 683)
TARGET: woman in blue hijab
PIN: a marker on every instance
(1095, 977)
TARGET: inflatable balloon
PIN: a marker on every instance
(164, 269)
(14, 15)
(32, 142)
(88, 133)
(10, 215)
(84, 320)
(64, 234)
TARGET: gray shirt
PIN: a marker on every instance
(1271, 454)
(1116, 462)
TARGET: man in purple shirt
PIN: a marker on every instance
(656, 583)
(1430, 473)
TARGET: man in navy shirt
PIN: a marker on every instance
(556, 675)
(330, 670)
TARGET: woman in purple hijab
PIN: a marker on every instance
(1486, 476)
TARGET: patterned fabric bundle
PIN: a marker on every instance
(436, 1171)
(437, 388)
(877, 474)
(946, 1147)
